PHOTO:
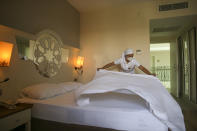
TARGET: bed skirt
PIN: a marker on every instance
(45, 125)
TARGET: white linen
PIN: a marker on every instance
(43, 90)
(69, 86)
(46, 90)
(160, 102)
(112, 113)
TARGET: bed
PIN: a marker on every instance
(131, 115)
(110, 110)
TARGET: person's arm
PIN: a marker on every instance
(107, 66)
(145, 70)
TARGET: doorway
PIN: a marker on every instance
(160, 62)
(180, 32)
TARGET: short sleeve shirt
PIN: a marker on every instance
(131, 65)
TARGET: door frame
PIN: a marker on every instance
(180, 67)
(193, 62)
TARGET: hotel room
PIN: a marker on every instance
(98, 65)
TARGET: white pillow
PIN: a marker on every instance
(43, 90)
(69, 86)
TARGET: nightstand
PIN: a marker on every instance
(12, 118)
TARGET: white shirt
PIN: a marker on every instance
(131, 65)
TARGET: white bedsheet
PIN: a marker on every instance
(113, 113)
(160, 102)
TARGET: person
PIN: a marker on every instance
(127, 63)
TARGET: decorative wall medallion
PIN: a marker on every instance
(48, 53)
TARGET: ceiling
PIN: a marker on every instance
(170, 26)
(88, 5)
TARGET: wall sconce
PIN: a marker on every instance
(79, 65)
(5, 80)
(5, 53)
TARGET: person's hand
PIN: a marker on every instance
(99, 69)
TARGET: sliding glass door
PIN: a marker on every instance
(187, 65)
(184, 66)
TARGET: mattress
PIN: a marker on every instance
(109, 110)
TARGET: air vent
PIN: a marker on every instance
(175, 6)
(166, 29)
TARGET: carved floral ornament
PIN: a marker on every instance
(47, 53)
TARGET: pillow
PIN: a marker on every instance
(69, 86)
(43, 90)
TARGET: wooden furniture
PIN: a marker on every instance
(45, 125)
(12, 118)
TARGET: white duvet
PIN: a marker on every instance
(159, 101)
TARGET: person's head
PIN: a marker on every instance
(128, 54)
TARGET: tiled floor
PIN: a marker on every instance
(190, 114)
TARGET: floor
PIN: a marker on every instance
(190, 114)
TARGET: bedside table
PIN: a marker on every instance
(12, 118)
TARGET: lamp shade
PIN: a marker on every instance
(5, 53)
(79, 62)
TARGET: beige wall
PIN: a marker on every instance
(105, 33)
(35, 15)
(23, 73)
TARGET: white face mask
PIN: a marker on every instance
(130, 58)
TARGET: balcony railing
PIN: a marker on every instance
(163, 73)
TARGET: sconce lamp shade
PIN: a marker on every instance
(5, 53)
(79, 62)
